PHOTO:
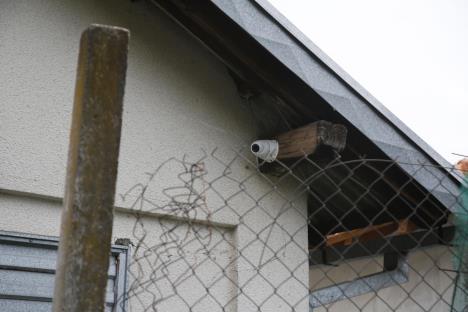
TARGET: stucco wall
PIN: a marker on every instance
(179, 100)
(429, 286)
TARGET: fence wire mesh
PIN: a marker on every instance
(229, 232)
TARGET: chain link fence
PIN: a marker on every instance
(229, 232)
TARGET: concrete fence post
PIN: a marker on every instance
(85, 239)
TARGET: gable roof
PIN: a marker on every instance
(252, 34)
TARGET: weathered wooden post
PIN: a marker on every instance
(86, 230)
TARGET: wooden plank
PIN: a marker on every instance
(402, 227)
(419, 238)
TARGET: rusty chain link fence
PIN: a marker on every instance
(229, 232)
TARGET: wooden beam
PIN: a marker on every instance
(419, 238)
(306, 140)
(402, 227)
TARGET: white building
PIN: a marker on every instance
(208, 76)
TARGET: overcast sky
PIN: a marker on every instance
(412, 55)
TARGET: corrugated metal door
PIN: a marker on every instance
(27, 268)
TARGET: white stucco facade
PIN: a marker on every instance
(429, 286)
(179, 100)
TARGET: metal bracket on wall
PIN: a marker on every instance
(395, 272)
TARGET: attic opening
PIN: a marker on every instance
(376, 209)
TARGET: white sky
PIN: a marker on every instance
(412, 55)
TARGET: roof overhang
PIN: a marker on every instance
(259, 45)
